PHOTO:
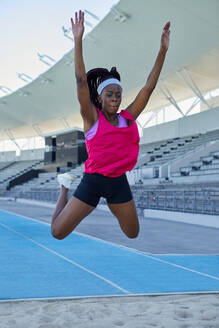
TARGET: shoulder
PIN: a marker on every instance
(127, 114)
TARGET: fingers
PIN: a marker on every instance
(166, 30)
(167, 26)
(82, 17)
(79, 18)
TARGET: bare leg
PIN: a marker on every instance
(62, 201)
(68, 214)
(127, 216)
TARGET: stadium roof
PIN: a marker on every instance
(128, 38)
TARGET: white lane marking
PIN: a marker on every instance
(181, 267)
(82, 234)
(182, 254)
(67, 259)
(97, 297)
(136, 251)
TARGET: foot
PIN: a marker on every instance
(66, 179)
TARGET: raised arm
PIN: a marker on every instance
(140, 102)
(87, 108)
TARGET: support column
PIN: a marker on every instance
(164, 112)
(150, 118)
(37, 129)
(196, 101)
(12, 138)
(64, 122)
(166, 92)
(192, 85)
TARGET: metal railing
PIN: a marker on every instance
(190, 201)
(50, 196)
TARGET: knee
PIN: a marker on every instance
(133, 234)
(56, 234)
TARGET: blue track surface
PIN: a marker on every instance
(35, 265)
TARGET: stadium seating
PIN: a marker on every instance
(15, 169)
(158, 153)
(193, 187)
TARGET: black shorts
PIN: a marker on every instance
(94, 186)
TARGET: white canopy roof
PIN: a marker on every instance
(128, 38)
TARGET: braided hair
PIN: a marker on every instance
(95, 77)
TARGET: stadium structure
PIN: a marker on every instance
(178, 164)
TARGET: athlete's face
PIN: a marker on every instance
(111, 98)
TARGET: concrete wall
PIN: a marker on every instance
(31, 154)
(7, 156)
(25, 155)
(213, 102)
(198, 123)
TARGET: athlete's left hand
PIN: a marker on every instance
(165, 37)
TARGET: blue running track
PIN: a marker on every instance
(35, 265)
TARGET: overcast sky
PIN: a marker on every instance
(30, 27)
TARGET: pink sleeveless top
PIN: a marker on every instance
(91, 133)
(113, 150)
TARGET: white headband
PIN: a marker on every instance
(107, 82)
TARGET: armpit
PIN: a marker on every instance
(79, 79)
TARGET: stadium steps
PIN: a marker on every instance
(168, 150)
(18, 168)
(48, 181)
(205, 166)
(5, 165)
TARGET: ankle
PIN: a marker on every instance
(64, 189)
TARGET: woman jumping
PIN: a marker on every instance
(112, 142)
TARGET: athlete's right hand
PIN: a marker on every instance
(78, 24)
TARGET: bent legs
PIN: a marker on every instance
(68, 214)
(127, 216)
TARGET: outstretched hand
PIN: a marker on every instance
(165, 37)
(78, 24)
